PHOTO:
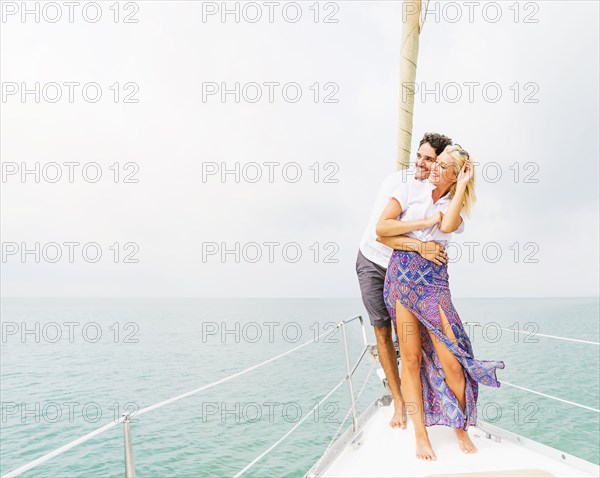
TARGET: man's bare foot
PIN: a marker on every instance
(424, 449)
(399, 418)
(464, 441)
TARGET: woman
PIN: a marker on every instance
(440, 377)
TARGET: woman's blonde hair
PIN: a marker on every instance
(459, 156)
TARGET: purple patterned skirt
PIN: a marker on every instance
(420, 285)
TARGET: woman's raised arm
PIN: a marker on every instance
(451, 220)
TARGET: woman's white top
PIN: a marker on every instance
(376, 251)
(415, 199)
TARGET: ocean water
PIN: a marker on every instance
(69, 366)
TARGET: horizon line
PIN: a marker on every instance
(279, 298)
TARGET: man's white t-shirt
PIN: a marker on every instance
(414, 197)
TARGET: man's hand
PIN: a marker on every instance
(434, 252)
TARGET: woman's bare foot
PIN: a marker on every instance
(424, 449)
(399, 418)
(464, 441)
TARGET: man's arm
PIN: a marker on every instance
(431, 250)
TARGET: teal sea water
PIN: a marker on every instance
(69, 366)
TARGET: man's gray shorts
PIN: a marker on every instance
(371, 277)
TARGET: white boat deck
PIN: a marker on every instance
(380, 451)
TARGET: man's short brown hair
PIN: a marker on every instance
(437, 141)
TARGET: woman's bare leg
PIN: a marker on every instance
(455, 377)
(409, 337)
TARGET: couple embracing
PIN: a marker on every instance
(403, 276)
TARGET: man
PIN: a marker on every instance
(373, 258)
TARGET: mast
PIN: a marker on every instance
(409, 52)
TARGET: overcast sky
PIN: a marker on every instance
(540, 135)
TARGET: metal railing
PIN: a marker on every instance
(129, 466)
(518, 331)
(126, 418)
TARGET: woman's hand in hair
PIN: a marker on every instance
(466, 173)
